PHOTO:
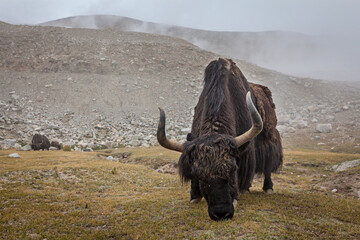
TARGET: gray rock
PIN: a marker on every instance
(146, 145)
(7, 143)
(299, 124)
(14, 155)
(283, 119)
(53, 148)
(314, 120)
(186, 130)
(324, 128)
(346, 165)
(285, 129)
(53, 127)
(17, 146)
(111, 158)
(26, 148)
(330, 118)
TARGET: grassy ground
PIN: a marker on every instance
(71, 195)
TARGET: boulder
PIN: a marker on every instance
(14, 155)
(346, 165)
(17, 146)
(26, 148)
(7, 143)
(324, 128)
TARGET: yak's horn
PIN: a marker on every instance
(161, 136)
(257, 123)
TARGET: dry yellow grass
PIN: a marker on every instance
(72, 195)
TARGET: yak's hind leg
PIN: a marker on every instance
(269, 159)
(268, 184)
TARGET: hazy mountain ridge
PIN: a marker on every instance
(325, 57)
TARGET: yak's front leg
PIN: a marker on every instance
(195, 193)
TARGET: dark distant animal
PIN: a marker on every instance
(56, 144)
(231, 139)
(40, 142)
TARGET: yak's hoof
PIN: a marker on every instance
(269, 191)
(195, 200)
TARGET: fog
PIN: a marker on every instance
(332, 51)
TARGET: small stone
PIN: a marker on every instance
(186, 130)
(14, 155)
(53, 148)
(146, 145)
(111, 158)
(334, 190)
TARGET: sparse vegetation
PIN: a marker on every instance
(66, 148)
(100, 147)
(74, 195)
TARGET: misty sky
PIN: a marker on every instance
(306, 16)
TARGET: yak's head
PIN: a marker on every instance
(210, 159)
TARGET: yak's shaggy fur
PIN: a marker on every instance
(225, 148)
(56, 144)
(204, 152)
(40, 142)
(221, 114)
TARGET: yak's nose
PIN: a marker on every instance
(221, 214)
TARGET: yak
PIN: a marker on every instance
(233, 137)
(40, 142)
(56, 144)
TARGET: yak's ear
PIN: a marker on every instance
(190, 137)
(185, 166)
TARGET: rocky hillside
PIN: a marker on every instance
(102, 87)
